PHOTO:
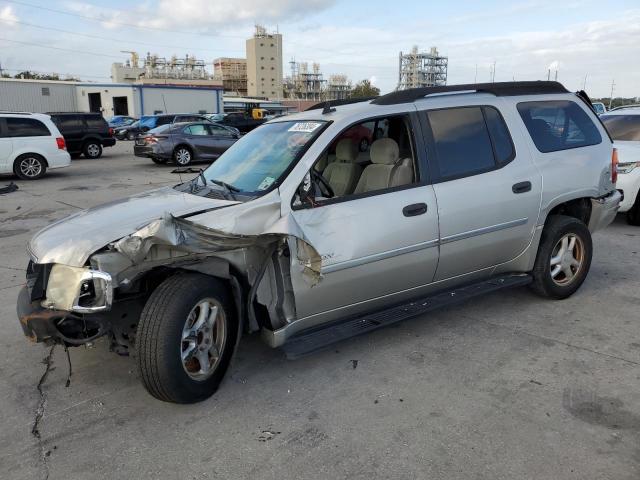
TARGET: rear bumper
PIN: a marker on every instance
(604, 210)
(59, 159)
(149, 151)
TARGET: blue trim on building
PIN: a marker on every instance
(171, 87)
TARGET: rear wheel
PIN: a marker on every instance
(182, 156)
(92, 149)
(633, 215)
(185, 338)
(131, 136)
(564, 257)
(30, 166)
(159, 161)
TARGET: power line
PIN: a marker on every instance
(110, 39)
(123, 24)
(95, 54)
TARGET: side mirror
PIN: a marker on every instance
(305, 190)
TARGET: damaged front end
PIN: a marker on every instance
(105, 293)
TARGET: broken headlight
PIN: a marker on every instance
(78, 289)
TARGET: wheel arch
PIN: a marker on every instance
(23, 152)
(579, 207)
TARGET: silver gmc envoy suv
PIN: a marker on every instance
(298, 234)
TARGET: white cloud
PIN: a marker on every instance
(7, 17)
(203, 13)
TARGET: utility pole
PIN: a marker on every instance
(584, 84)
(613, 84)
(475, 79)
(493, 72)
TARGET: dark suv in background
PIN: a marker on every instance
(84, 133)
(149, 122)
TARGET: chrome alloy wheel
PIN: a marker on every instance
(183, 156)
(567, 259)
(203, 339)
(30, 167)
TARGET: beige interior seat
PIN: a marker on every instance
(387, 169)
(343, 174)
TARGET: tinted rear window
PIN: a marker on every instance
(26, 127)
(462, 142)
(96, 123)
(558, 125)
(67, 122)
(500, 137)
(623, 127)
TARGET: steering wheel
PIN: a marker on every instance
(323, 184)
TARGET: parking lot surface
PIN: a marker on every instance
(509, 386)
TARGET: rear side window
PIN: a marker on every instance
(558, 125)
(96, 123)
(196, 130)
(26, 127)
(623, 127)
(67, 122)
(469, 140)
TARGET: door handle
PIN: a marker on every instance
(414, 209)
(521, 187)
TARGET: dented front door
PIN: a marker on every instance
(374, 250)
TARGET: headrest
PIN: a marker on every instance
(384, 151)
(346, 150)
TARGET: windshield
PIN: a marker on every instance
(258, 160)
(149, 122)
(623, 127)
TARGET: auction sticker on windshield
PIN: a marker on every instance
(266, 183)
(306, 127)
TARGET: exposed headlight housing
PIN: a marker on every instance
(78, 289)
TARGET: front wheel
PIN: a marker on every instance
(185, 338)
(564, 257)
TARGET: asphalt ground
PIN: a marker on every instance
(509, 386)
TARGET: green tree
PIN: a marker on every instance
(364, 89)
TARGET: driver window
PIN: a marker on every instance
(372, 156)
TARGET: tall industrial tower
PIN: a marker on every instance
(418, 69)
(264, 64)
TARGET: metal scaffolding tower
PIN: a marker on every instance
(305, 84)
(424, 69)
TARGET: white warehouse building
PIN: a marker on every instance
(108, 98)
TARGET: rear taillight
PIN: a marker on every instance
(61, 144)
(150, 140)
(110, 132)
(614, 165)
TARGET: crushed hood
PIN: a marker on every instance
(73, 239)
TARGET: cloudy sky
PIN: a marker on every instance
(593, 39)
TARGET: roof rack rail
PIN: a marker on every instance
(499, 89)
(337, 103)
(13, 112)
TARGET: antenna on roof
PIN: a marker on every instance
(327, 108)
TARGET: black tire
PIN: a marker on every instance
(159, 339)
(555, 230)
(159, 161)
(92, 149)
(182, 155)
(633, 215)
(30, 166)
(131, 136)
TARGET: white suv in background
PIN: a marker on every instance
(30, 144)
(623, 125)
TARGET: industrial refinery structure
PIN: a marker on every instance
(306, 83)
(422, 69)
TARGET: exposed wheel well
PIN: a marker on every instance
(579, 208)
(182, 145)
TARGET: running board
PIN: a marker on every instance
(318, 338)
